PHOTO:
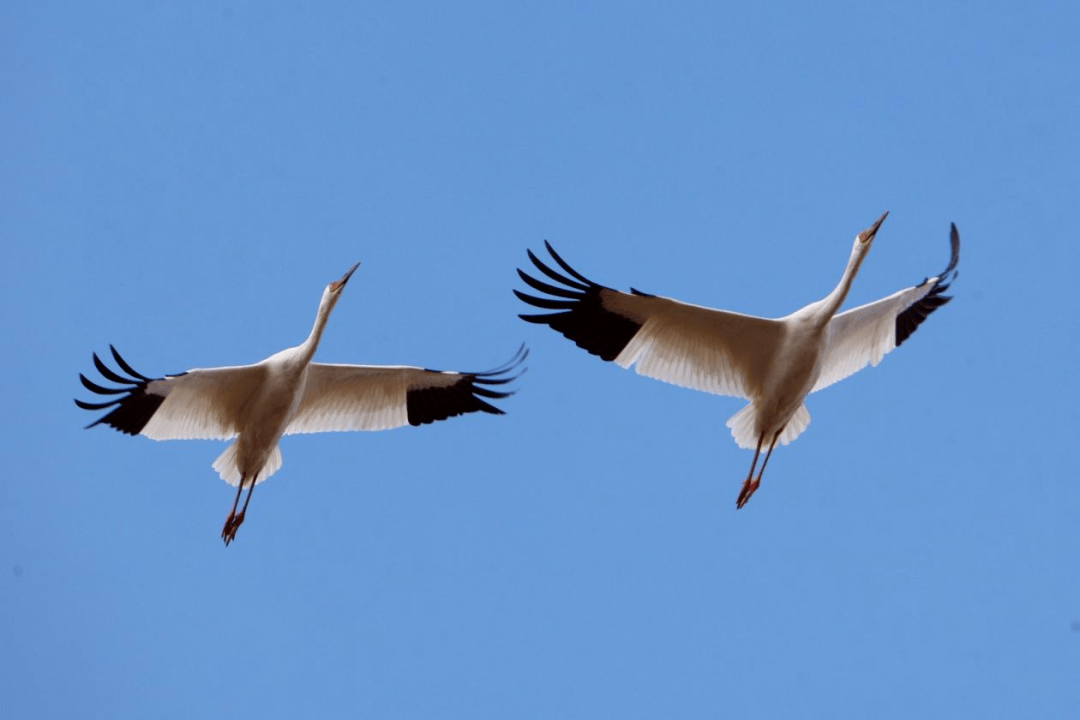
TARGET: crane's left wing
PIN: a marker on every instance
(700, 348)
(864, 335)
(340, 398)
(200, 404)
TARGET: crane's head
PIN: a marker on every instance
(864, 238)
(338, 285)
(332, 292)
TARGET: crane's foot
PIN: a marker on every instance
(235, 526)
(748, 489)
(227, 528)
(232, 523)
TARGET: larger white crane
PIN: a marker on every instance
(773, 363)
(286, 394)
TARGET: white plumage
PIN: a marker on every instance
(286, 394)
(773, 363)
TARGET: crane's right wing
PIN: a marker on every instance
(696, 347)
(200, 404)
(864, 335)
(340, 398)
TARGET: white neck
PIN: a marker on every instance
(832, 302)
(325, 306)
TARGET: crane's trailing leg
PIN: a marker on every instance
(240, 517)
(749, 487)
(227, 531)
(747, 490)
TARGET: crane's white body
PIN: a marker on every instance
(772, 363)
(284, 394)
(253, 403)
(255, 452)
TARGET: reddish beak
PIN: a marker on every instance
(868, 234)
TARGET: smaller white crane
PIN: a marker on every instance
(774, 364)
(286, 394)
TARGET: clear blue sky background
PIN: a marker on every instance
(182, 180)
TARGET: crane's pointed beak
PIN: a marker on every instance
(338, 284)
(868, 234)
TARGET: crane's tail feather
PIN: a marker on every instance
(744, 428)
(227, 467)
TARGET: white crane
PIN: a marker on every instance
(286, 394)
(773, 363)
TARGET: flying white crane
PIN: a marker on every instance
(283, 395)
(774, 364)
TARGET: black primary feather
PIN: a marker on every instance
(430, 404)
(909, 320)
(133, 410)
(583, 317)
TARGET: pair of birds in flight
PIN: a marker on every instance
(773, 363)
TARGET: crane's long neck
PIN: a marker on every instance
(832, 302)
(307, 349)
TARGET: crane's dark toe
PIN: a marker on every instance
(748, 489)
(228, 532)
(237, 521)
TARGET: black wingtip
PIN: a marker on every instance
(127, 368)
(556, 276)
(954, 246)
(515, 361)
(95, 388)
(97, 406)
(910, 319)
(565, 266)
(467, 394)
(132, 408)
(580, 314)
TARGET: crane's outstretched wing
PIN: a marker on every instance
(714, 351)
(200, 404)
(372, 397)
(864, 335)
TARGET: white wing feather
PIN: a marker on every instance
(202, 404)
(714, 351)
(864, 335)
(340, 398)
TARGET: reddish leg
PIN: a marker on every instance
(749, 487)
(746, 491)
(240, 516)
(227, 532)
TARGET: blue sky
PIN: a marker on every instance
(182, 180)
